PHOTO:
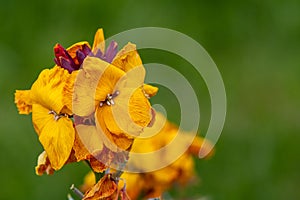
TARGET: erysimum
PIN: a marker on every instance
(110, 103)
(102, 91)
(92, 106)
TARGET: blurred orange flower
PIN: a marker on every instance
(153, 184)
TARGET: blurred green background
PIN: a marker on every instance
(255, 44)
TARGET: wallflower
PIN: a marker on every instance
(111, 98)
(51, 101)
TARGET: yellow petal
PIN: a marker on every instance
(56, 136)
(40, 117)
(108, 139)
(47, 90)
(139, 108)
(150, 90)
(99, 42)
(130, 114)
(94, 82)
(23, 101)
(127, 58)
(117, 135)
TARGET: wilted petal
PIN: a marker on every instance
(72, 50)
(106, 188)
(43, 165)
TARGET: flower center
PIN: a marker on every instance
(110, 99)
(57, 116)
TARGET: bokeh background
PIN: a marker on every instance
(255, 44)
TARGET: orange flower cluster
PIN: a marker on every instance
(154, 183)
(93, 106)
(90, 105)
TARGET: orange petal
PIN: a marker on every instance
(122, 141)
(106, 188)
(201, 146)
(97, 165)
(130, 114)
(127, 58)
(23, 101)
(99, 42)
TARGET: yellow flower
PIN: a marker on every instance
(153, 184)
(111, 97)
(103, 91)
(50, 116)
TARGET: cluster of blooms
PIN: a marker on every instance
(153, 184)
(91, 106)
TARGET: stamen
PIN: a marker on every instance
(110, 99)
(57, 116)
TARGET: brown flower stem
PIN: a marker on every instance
(76, 191)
